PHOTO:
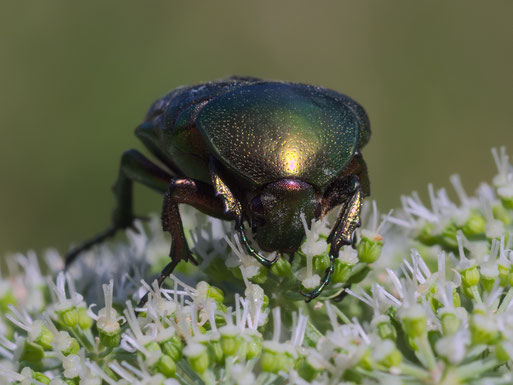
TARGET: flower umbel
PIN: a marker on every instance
(431, 302)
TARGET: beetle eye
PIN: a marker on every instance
(257, 211)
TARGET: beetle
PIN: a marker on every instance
(250, 151)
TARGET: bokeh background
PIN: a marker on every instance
(76, 77)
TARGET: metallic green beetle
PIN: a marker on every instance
(250, 150)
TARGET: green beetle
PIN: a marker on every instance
(254, 151)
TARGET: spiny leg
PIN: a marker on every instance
(347, 192)
(194, 193)
(134, 167)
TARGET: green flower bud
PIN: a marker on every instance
(84, 321)
(489, 274)
(65, 344)
(456, 299)
(450, 323)
(427, 234)
(502, 214)
(110, 340)
(506, 195)
(230, 341)
(40, 334)
(501, 353)
(504, 272)
(197, 356)
(369, 247)
(366, 360)
(387, 354)
(215, 351)
(253, 345)
(32, 352)
(69, 316)
(308, 367)
(342, 272)
(38, 376)
(414, 321)
(166, 366)
(7, 299)
(470, 276)
(474, 225)
(273, 360)
(216, 294)
(282, 268)
(387, 331)
(320, 262)
(483, 330)
(260, 277)
(173, 347)
(448, 236)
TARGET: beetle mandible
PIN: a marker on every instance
(250, 150)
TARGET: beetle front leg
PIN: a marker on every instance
(347, 192)
(233, 208)
(134, 167)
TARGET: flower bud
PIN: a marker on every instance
(474, 225)
(450, 323)
(253, 344)
(230, 341)
(470, 276)
(197, 357)
(427, 234)
(483, 330)
(166, 365)
(173, 347)
(369, 247)
(66, 344)
(505, 194)
(260, 276)
(320, 262)
(308, 367)
(207, 291)
(414, 321)
(84, 321)
(273, 357)
(72, 366)
(504, 351)
(69, 316)
(32, 352)
(387, 354)
(7, 299)
(504, 272)
(281, 268)
(40, 334)
(502, 214)
(110, 340)
(489, 274)
(342, 272)
(448, 236)
(38, 376)
(387, 331)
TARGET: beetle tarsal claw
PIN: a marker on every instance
(325, 281)
(260, 258)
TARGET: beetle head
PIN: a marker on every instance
(275, 214)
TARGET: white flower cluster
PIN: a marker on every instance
(430, 302)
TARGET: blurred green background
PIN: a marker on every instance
(76, 77)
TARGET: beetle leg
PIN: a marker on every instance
(346, 191)
(194, 193)
(135, 167)
(234, 209)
